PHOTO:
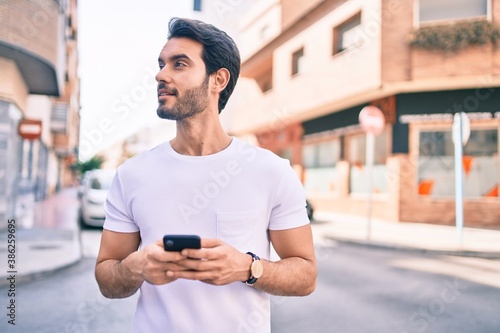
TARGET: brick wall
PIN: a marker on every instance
(12, 85)
(402, 63)
(31, 25)
(471, 61)
(292, 10)
(397, 22)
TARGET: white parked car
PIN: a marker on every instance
(93, 193)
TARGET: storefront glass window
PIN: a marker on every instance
(481, 163)
(319, 162)
(356, 146)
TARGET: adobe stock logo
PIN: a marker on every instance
(421, 320)
(222, 7)
(219, 180)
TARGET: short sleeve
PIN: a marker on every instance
(289, 207)
(118, 216)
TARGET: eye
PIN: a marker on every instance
(180, 64)
(161, 66)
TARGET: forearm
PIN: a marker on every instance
(116, 280)
(288, 277)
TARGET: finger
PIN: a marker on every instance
(175, 267)
(205, 252)
(190, 275)
(210, 242)
(195, 254)
(165, 256)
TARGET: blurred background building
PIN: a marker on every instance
(39, 101)
(309, 67)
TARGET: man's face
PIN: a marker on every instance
(182, 80)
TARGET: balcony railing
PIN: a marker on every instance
(59, 118)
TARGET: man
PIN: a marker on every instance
(236, 197)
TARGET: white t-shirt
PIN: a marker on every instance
(235, 195)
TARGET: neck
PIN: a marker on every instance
(200, 135)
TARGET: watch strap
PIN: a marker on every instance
(252, 279)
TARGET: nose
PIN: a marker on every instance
(163, 75)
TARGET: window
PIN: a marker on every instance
(324, 154)
(436, 164)
(197, 5)
(356, 156)
(482, 142)
(319, 160)
(356, 148)
(347, 34)
(432, 10)
(298, 61)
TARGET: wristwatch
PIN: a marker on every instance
(256, 270)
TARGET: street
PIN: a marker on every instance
(360, 289)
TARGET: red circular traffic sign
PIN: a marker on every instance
(372, 120)
(30, 129)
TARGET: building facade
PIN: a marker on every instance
(310, 67)
(39, 101)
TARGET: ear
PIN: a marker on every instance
(221, 79)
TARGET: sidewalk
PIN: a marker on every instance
(46, 240)
(406, 236)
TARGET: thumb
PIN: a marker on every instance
(159, 242)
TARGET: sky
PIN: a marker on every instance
(119, 43)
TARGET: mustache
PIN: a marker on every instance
(165, 89)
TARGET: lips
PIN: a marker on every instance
(164, 91)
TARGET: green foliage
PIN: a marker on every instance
(455, 36)
(94, 163)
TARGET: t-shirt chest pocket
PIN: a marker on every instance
(238, 229)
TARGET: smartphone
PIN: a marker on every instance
(181, 242)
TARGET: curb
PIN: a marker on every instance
(30, 277)
(42, 239)
(398, 247)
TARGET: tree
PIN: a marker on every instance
(94, 163)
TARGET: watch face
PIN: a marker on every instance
(257, 269)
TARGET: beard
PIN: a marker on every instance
(191, 103)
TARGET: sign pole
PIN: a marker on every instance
(372, 121)
(370, 147)
(459, 196)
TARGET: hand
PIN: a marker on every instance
(152, 263)
(215, 263)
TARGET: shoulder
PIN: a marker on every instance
(251, 152)
(259, 157)
(142, 161)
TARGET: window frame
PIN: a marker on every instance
(417, 24)
(415, 128)
(296, 60)
(197, 5)
(337, 32)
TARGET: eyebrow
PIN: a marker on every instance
(176, 57)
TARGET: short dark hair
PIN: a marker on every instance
(219, 50)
